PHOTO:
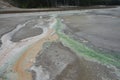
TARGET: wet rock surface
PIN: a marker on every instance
(60, 63)
(31, 28)
(9, 24)
(28, 31)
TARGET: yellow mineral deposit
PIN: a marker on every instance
(28, 58)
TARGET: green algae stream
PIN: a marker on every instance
(82, 49)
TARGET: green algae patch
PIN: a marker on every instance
(82, 49)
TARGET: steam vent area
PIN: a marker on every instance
(60, 45)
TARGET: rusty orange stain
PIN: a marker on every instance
(28, 58)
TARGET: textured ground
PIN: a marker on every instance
(100, 29)
(35, 46)
(60, 63)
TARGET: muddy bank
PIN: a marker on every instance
(57, 62)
